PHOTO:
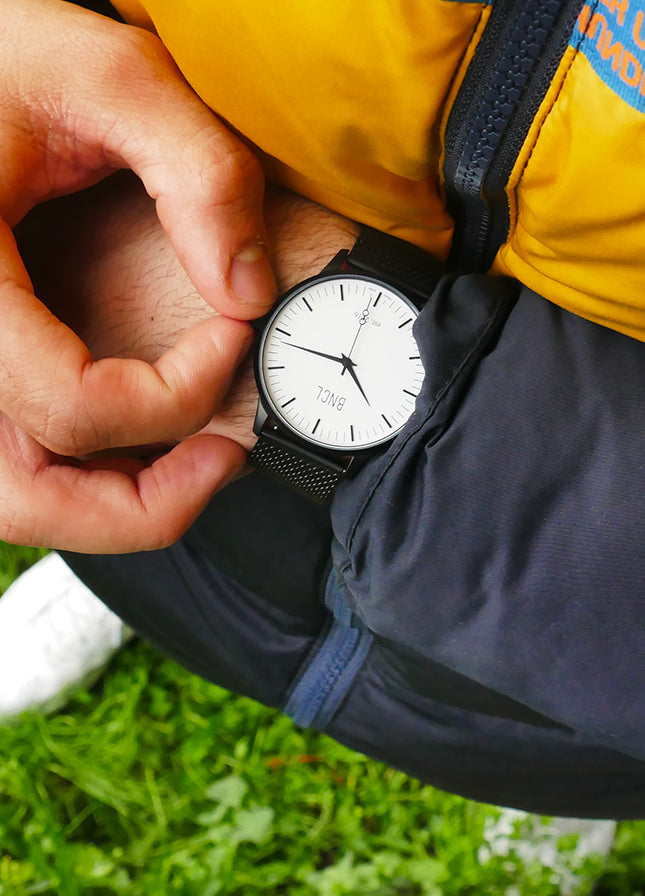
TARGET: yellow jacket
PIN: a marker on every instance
(508, 133)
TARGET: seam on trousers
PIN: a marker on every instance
(330, 673)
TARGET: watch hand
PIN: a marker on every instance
(314, 352)
(363, 320)
(349, 365)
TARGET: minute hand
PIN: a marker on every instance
(313, 351)
(346, 362)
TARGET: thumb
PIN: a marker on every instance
(208, 186)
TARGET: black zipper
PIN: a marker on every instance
(507, 80)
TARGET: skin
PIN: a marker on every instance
(71, 84)
(128, 296)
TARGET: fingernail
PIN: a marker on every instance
(251, 275)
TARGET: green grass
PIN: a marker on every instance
(155, 782)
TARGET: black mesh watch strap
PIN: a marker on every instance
(411, 269)
(310, 475)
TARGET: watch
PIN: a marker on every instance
(337, 365)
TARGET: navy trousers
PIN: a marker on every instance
(482, 623)
(240, 601)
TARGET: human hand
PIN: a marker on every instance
(80, 97)
(127, 296)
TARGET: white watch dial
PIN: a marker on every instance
(339, 364)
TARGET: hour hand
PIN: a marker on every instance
(349, 365)
(313, 351)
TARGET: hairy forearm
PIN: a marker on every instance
(104, 265)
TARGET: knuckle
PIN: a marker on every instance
(131, 59)
(195, 409)
(68, 430)
(235, 176)
(192, 408)
(135, 49)
(148, 48)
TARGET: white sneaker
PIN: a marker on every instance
(571, 851)
(55, 636)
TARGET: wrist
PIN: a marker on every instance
(304, 238)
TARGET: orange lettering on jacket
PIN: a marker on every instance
(609, 50)
(637, 30)
(618, 8)
(616, 50)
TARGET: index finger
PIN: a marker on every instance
(83, 96)
(207, 184)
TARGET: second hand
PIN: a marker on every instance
(362, 323)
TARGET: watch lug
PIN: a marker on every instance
(261, 417)
(337, 262)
